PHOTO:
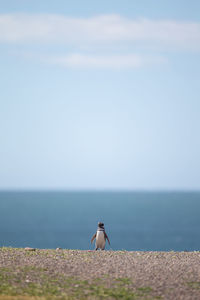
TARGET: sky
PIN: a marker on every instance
(100, 95)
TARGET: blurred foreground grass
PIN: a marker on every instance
(35, 283)
(15, 286)
(64, 274)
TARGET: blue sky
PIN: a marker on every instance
(100, 95)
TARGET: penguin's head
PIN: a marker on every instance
(101, 225)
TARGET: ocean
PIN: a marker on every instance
(142, 221)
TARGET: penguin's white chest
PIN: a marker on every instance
(100, 240)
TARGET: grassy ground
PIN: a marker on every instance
(51, 274)
(41, 285)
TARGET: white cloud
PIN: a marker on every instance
(103, 30)
(100, 41)
(105, 61)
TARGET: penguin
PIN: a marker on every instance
(101, 237)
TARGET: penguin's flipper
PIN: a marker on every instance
(94, 236)
(106, 237)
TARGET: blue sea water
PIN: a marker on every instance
(150, 221)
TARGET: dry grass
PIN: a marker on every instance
(75, 274)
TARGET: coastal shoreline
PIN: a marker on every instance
(85, 274)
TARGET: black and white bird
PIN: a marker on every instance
(101, 237)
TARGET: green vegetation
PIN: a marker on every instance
(64, 274)
(34, 283)
(194, 285)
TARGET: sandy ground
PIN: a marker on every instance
(171, 275)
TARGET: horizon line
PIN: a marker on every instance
(100, 190)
